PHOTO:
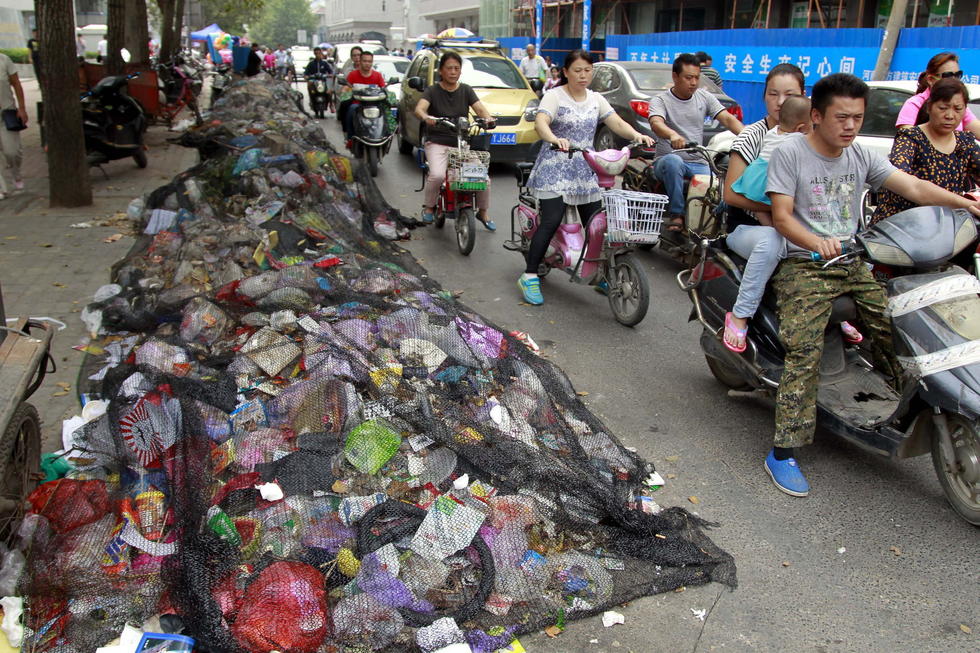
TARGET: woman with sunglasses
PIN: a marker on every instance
(945, 65)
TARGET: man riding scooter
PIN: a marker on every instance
(677, 118)
(815, 183)
(316, 67)
(361, 77)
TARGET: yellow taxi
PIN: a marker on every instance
(498, 83)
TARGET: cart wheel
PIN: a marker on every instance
(20, 458)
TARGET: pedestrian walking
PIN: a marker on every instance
(14, 121)
(103, 49)
(34, 46)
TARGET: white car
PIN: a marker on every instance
(392, 68)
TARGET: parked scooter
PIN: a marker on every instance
(317, 87)
(113, 123)
(600, 255)
(935, 313)
(372, 128)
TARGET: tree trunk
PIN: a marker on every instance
(116, 23)
(66, 143)
(138, 33)
(167, 9)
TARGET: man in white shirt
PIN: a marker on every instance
(533, 66)
(282, 61)
(103, 49)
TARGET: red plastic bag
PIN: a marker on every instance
(284, 609)
(68, 503)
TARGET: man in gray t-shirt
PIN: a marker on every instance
(815, 184)
(677, 118)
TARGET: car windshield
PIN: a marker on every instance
(491, 72)
(659, 79)
(389, 69)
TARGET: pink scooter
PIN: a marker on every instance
(601, 255)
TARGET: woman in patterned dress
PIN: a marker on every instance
(937, 150)
(567, 116)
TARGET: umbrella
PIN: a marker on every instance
(455, 33)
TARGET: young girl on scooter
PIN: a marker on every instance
(567, 117)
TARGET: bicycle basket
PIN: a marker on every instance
(633, 217)
(468, 169)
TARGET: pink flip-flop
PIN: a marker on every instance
(851, 334)
(740, 333)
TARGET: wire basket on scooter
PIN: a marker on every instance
(468, 169)
(633, 217)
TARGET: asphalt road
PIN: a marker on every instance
(873, 560)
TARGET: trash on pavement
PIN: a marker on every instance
(298, 441)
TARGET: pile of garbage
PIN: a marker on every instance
(294, 440)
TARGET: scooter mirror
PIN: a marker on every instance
(124, 53)
(393, 80)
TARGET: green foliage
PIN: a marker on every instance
(17, 55)
(232, 15)
(280, 20)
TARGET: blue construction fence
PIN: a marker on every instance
(744, 57)
(555, 48)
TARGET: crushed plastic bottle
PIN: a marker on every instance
(370, 445)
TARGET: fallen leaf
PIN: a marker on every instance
(63, 385)
(552, 631)
(12, 237)
(786, 563)
(671, 475)
(60, 394)
(57, 284)
(680, 589)
(672, 459)
(45, 245)
(694, 500)
(339, 487)
(894, 549)
(582, 393)
(966, 629)
(113, 238)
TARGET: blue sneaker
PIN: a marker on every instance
(428, 217)
(531, 289)
(787, 476)
(602, 287)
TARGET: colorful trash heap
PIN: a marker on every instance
(295, 440)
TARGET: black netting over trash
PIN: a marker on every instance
(297, 441)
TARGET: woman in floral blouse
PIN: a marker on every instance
(567, 117)
(936, 150)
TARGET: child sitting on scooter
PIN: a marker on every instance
(761, 245)
(794, 117)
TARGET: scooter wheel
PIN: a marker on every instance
(629, 290)
(140, 157)
(372, 154)
(727, 375)
(440, 219)
(466, 231)
(960, 477)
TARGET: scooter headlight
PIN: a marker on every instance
(881, 253)
(372, 112)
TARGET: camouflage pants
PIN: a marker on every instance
(804, 292)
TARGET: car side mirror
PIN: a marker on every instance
(536, 85)
(415, 83)
(393, 80)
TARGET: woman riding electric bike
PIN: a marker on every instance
(567, 117)
(449, 98)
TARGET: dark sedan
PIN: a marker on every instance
(629, 85)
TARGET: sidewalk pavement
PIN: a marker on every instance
(48, 268)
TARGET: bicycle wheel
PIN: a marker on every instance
(629, 290)
(466, 230)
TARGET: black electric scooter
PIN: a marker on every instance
(114, 123)
(316, 87)
(372, 136)
(935, 313)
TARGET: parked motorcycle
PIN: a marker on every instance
(935, 313)
(317, 86)
(372, 128)
(114, 123)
